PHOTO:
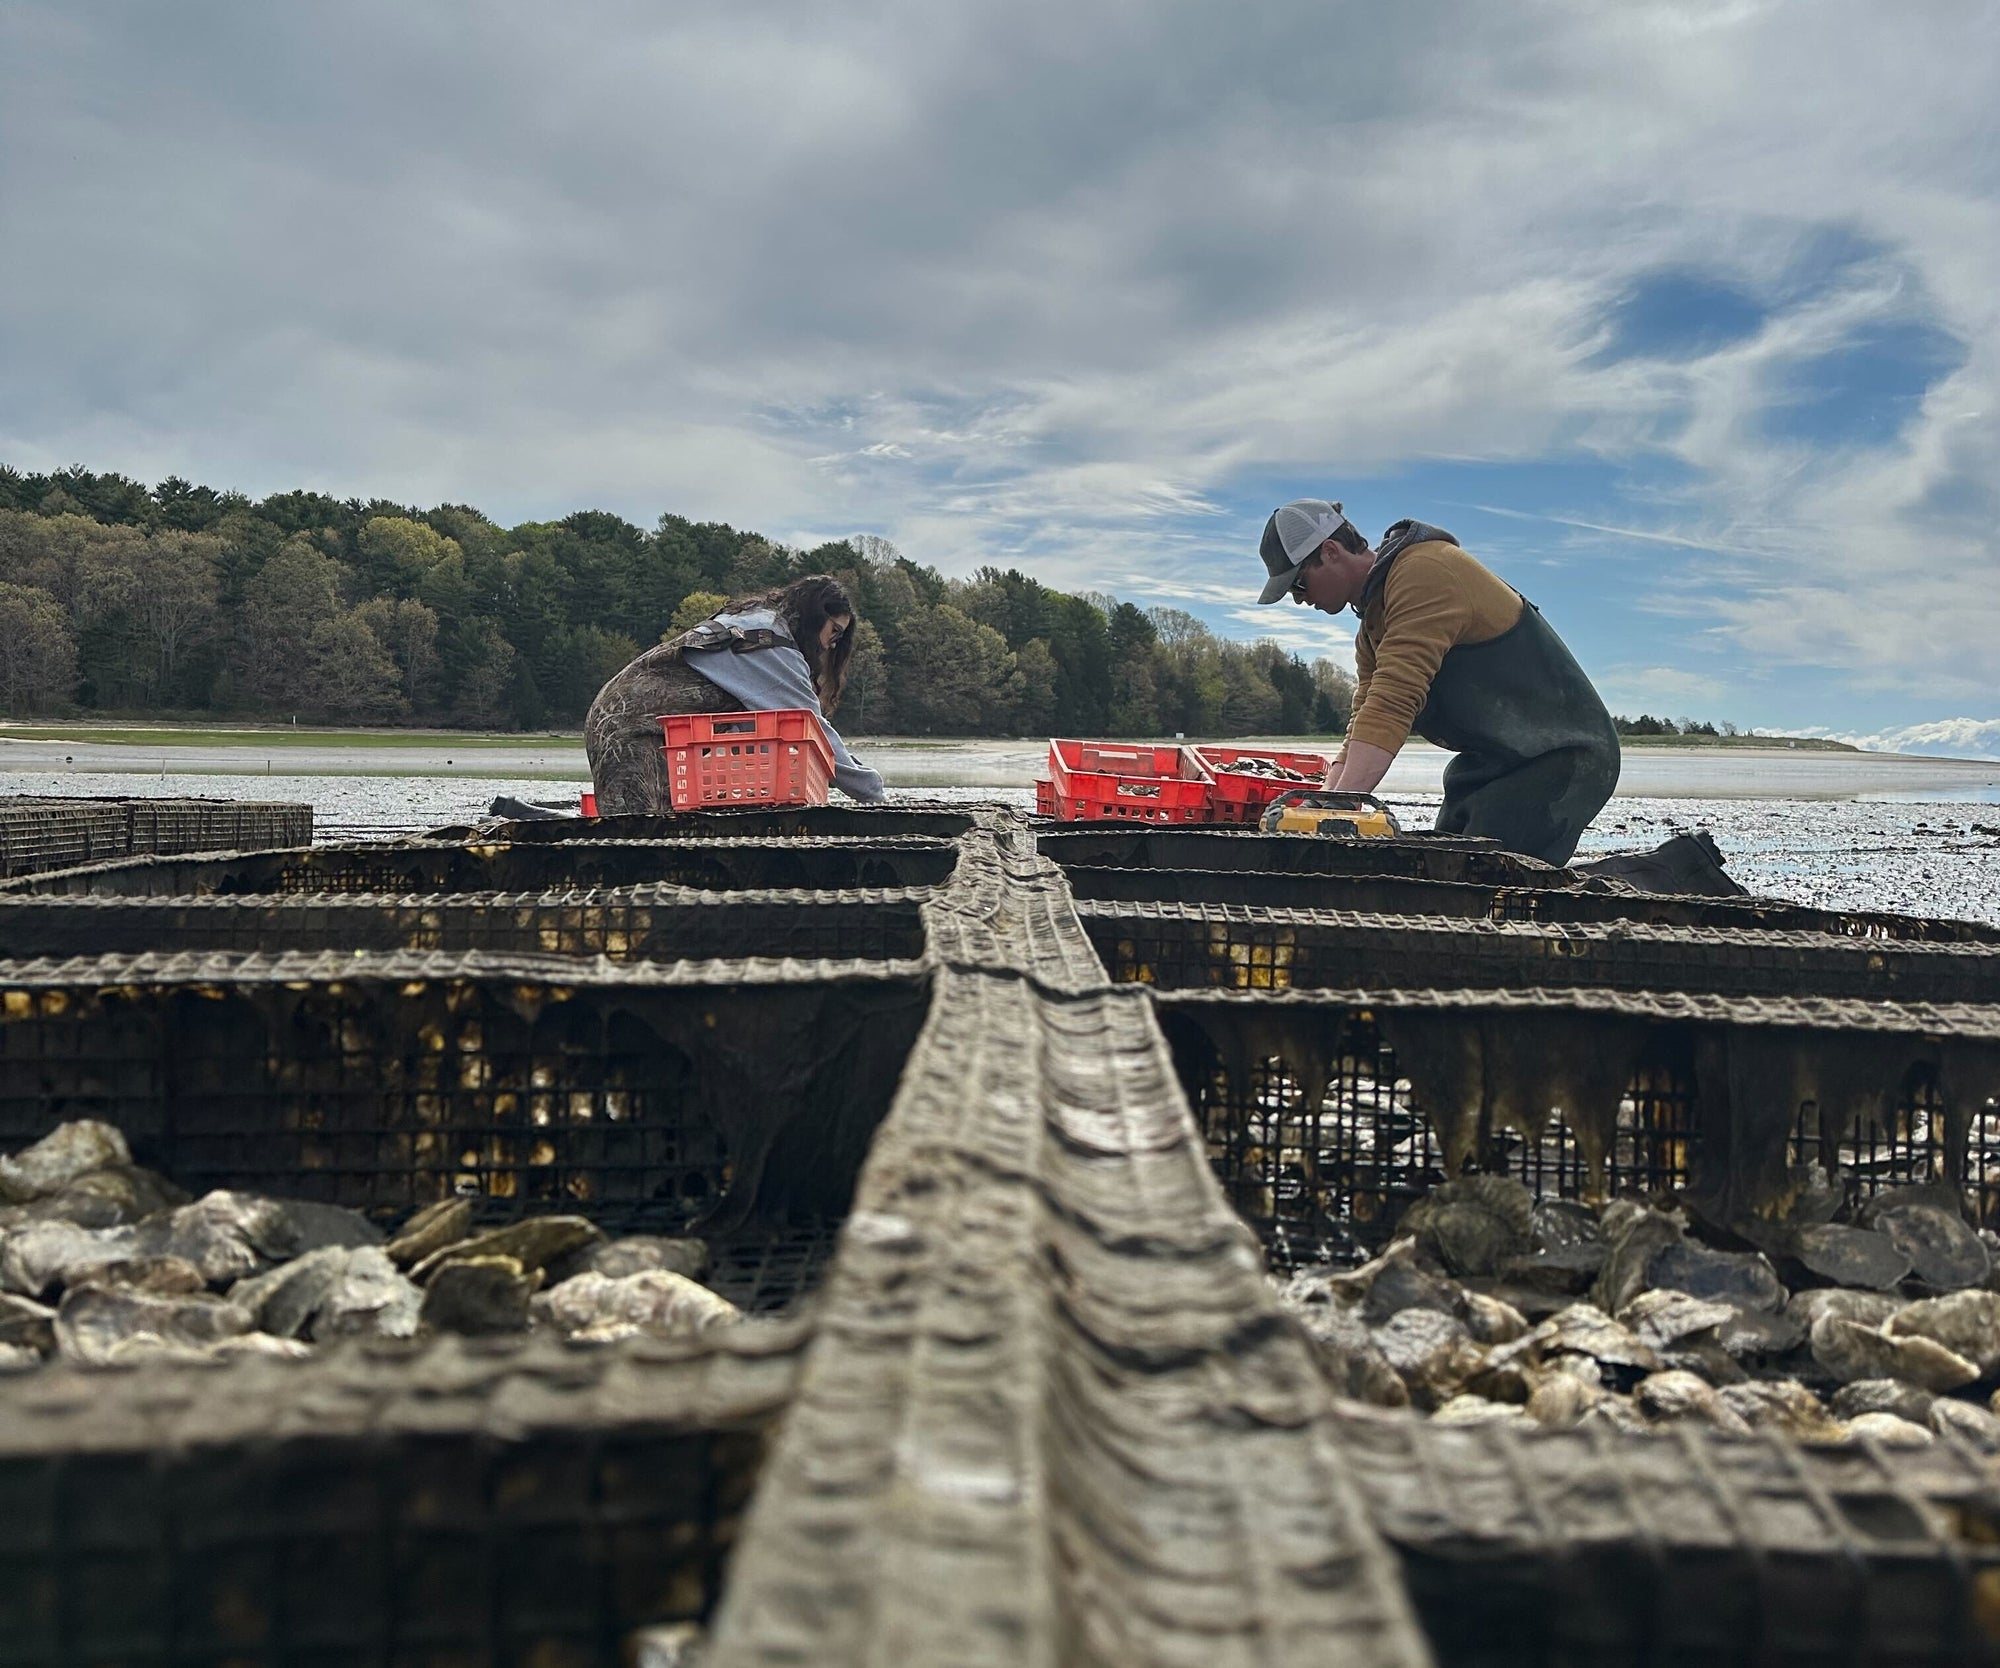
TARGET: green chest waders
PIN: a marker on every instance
(1537, 754)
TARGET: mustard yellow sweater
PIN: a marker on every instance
(1436, 597)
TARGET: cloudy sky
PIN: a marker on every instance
(1682, 316)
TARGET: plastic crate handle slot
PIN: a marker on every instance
(734, 726)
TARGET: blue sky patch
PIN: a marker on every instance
(1866, 389)
(1679, 315)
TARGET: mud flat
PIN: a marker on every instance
(907, 762)
(1837, 830)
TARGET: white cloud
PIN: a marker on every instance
(1048, 288)
(1670, 691)
(1947, 738)
(1297, 629)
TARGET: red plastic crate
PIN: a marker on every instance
(1243, 798)
(1104, 781)
(1045, 798)
(747, 758)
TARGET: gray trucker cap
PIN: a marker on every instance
(1293, 533)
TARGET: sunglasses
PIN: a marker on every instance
(1299, 578)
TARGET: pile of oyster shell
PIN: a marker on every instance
(102, 1262)
(1496, 1306)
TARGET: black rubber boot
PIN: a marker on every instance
(1688, 864)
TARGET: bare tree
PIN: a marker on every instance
(37, 650)
(408, 633)
(174, 602)
(352, 674)
(295, 593)
(1176, 627)
(1336, 685)
(87, 567)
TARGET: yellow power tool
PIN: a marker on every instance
(1338, 816)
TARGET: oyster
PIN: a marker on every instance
(479, 1295)
(654, 1302)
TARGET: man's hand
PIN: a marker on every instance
(1360, 767)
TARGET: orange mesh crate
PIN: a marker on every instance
(1105, 781)
(1240, 798)
(747, 758)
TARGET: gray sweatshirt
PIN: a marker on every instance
(767, 679)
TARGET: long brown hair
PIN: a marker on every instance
(805, 606)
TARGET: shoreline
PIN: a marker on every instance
(1652, 771)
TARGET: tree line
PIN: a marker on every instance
(1647, 725)
(185, 601)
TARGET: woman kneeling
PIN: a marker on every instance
(775, 649)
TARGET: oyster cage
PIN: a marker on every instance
(1322, 1146)
(629, 923)
(1685, 1548)
(40, 832)
(816, 822)
(649, 1100)
(1189, 946)
(1040, 1405)
(494, 1502)
(423, 867)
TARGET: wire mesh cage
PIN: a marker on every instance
(1191, 946)
(765, 1268)
(448, 1507)
(1531, 904)
(1375, 894)
(1584, 905)
(1914, 1145)
(1414, 857)
(507, 1501)
(1577, 1548)
(1326, 1116)
(798, 822)
(623, 923)
(1321, 1140)
(168, 826)
(39, 833)
(420, 866)
(670, 1106)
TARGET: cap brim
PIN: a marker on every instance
(1279, 584)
